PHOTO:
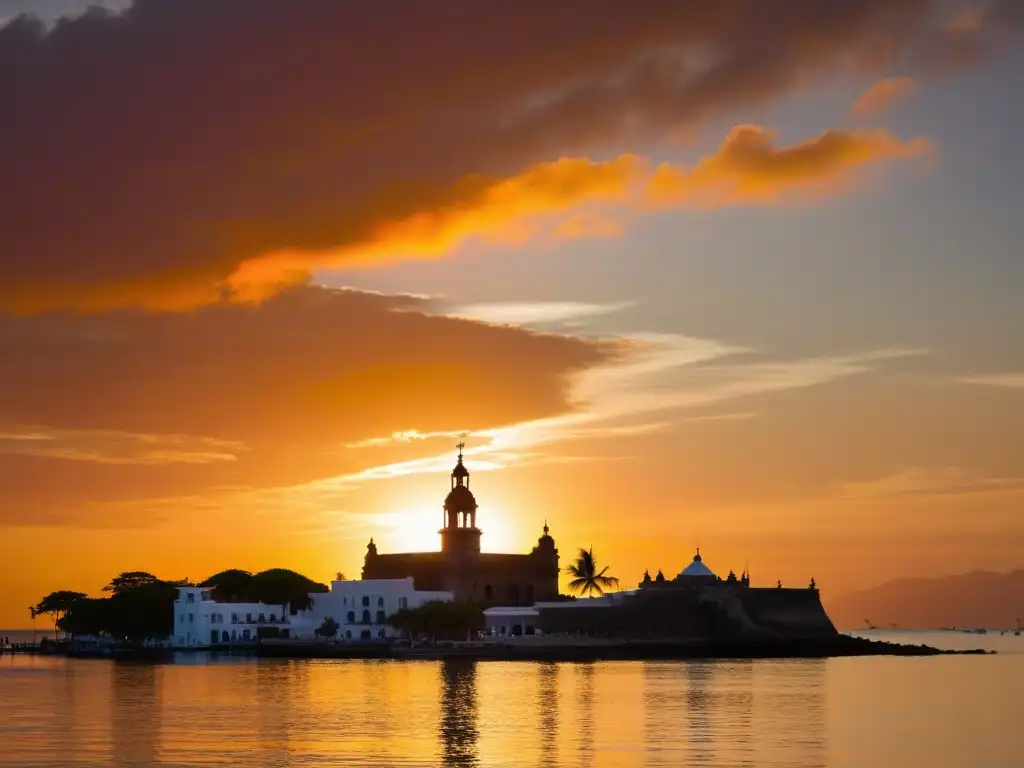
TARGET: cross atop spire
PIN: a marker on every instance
(460, 446)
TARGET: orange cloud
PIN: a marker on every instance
(559, 198)
(881, 96)
(749, 168)
(247, 396)
(181, 179)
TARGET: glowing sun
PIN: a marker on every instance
(416, 530)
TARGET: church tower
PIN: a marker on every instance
(460, 536)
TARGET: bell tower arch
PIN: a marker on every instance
(459, 533)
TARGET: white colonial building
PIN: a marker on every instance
(360, 607)
(199, 621)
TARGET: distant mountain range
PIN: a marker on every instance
(965, 601)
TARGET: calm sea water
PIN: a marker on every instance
(204, 711)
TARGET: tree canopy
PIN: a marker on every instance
(439, 620)
(587, 579)
(139, 606)
(130, 580)
(329, 628)
(276, 586)
(56, 605)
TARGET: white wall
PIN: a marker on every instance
(197, 616)
(362, 607)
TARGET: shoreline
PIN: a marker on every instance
(614, 650)
(549, 649)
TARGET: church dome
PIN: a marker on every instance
(697, 568)
(460, 499)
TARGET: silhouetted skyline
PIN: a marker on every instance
(260, 269)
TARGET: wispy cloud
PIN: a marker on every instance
(1013, 380)
(882, 96)
(117, 447)
(929, 481)
(536, 312)
(666, 375)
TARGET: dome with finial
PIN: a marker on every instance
(697, 568)
(460, 499)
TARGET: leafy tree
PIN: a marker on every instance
(231, 586)
(587, 579)
(439, 620)
(91, 616)
(280, 586)
(143, 611)
(329, 628)
(56, 605)
(130, 580)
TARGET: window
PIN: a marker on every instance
(381, 618)
(351, 617)
(248, 618)
(263, 617)
(348, 634)
(245, 634)
(234, 618)
(191, 597)
(365, 635)
(191, 618)
(403, 603)
(273, 618)
(380, 633)
(366, 602)
(366, 617)
(380, 602)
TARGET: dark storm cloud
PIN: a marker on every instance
(146, 155)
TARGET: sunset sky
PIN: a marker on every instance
(748, 270)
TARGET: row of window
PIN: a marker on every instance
(366, 601)
(218, 618)
(381, 617)
(261, 617)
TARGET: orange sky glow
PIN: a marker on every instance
(764, 298)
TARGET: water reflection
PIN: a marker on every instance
(274, 689)
(458, 729)
(700, 704)
(585, 711)
(771, 714)
(134, 714)
(547, 711)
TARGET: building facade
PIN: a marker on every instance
(199, 621)
(461, 568)
(361, 609)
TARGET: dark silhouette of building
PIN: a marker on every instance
(461, 568)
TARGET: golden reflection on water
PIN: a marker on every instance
(940, 712)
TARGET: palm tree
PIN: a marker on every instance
(587, 580)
